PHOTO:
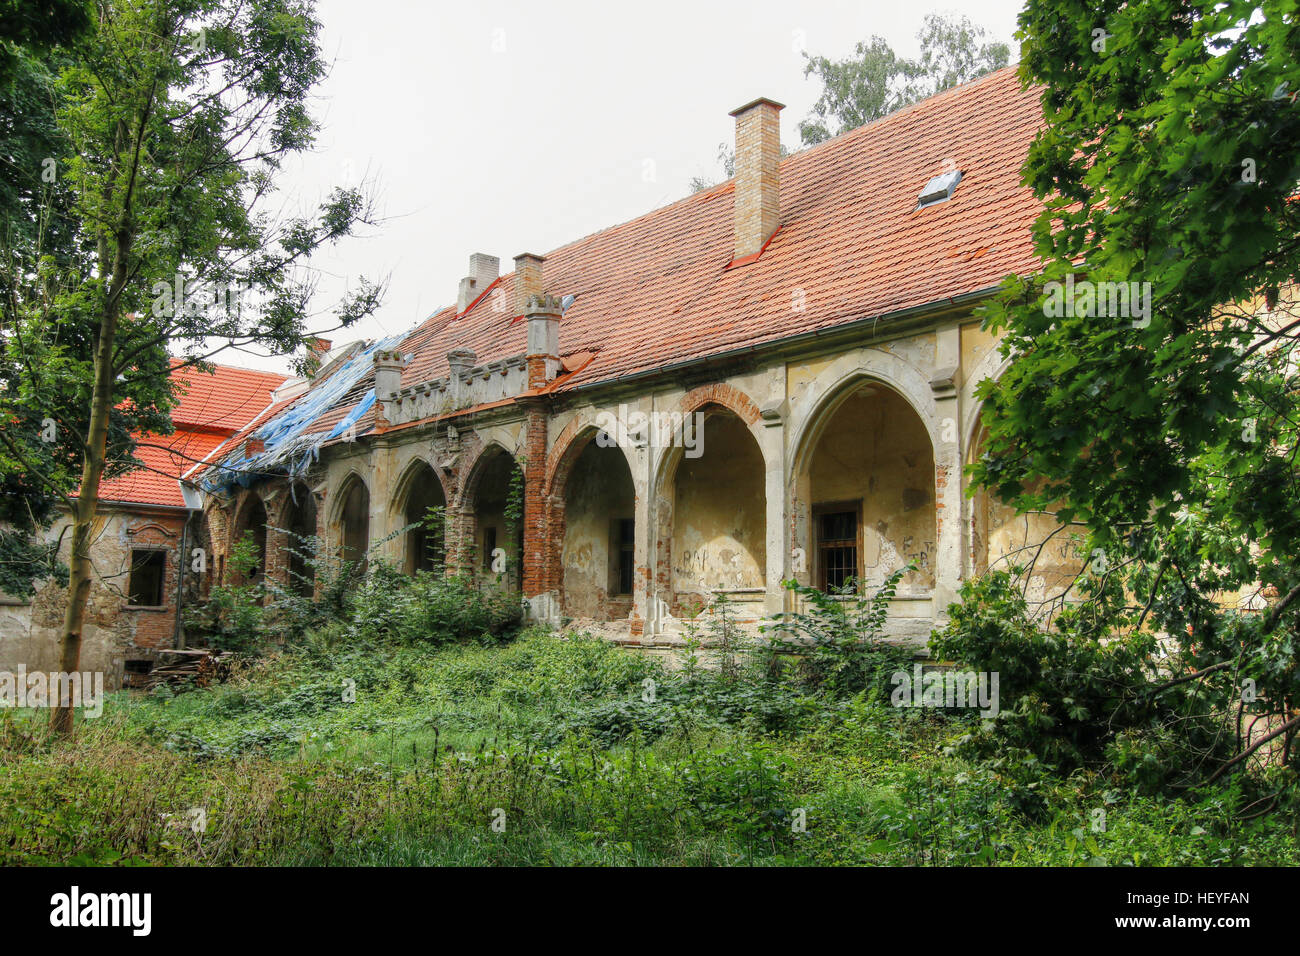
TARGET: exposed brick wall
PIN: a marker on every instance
(153, 628)
(537, 557)
(725, 395)
(758, 158)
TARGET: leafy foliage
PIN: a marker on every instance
(875, 81)
(835, 643)
(164, 126)
(1168, 162)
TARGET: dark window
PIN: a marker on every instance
(489, 545)
(145, 586)
(135, 672)
(624, 554)
(428, 549)
(837, 548)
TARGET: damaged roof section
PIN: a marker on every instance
(288, 440)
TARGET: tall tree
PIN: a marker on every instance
(1154, 387)
(177, 115)
(875, 81)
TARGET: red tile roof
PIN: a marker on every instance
(213, 406)
(225, 399)
(852, 246)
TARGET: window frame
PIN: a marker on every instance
(821, 510)
(162, 579)
(618, 548)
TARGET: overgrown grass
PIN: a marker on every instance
(580, 753)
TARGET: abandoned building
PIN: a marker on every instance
(773, 378)
(143, 538)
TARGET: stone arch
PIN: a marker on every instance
(568, 445)
(472, 470)
(480, 523)
(350, 519)
(710, 510)
(993, 366)
(591, 527)
(299, 525)
(718, 396)
(251, 519)
(864, 486)
(828, 388)
(419, 488)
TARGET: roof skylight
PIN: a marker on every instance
(939, 188)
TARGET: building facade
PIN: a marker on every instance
(148, 525)
(771, 379)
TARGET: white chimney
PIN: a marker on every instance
(483, 271)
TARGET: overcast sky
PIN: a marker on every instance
(508, 127)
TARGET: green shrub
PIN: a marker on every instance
(1073, 696)
(836, 644)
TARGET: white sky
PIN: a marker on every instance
(509, 127)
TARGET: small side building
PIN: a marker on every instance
(149, 521)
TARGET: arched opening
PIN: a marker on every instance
(1001, 539)
(252, 528)
(354, 523)
(868, 492)
(300, 528)
(498, 519)
(598, 556)
(425, 543)
(199, 563)
(716, 514)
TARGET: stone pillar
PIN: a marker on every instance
(277, 538)
(383, 520)
(949, 503)
(543, 317)
(658, 554)
(772, 444)
(219, 541)
(461, 529)
(323, 543)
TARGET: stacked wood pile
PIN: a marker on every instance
(197, 668)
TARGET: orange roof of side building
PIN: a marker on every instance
(212, 407)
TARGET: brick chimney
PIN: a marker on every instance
(528, 280)
(543, 314)
(758, 188)
(317, 349)
(483, 271)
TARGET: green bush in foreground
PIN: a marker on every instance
(441, 741)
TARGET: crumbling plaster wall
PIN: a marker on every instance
(900, 450)
(599, 491)
(30, 632)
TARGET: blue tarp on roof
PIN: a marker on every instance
(290, 448)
